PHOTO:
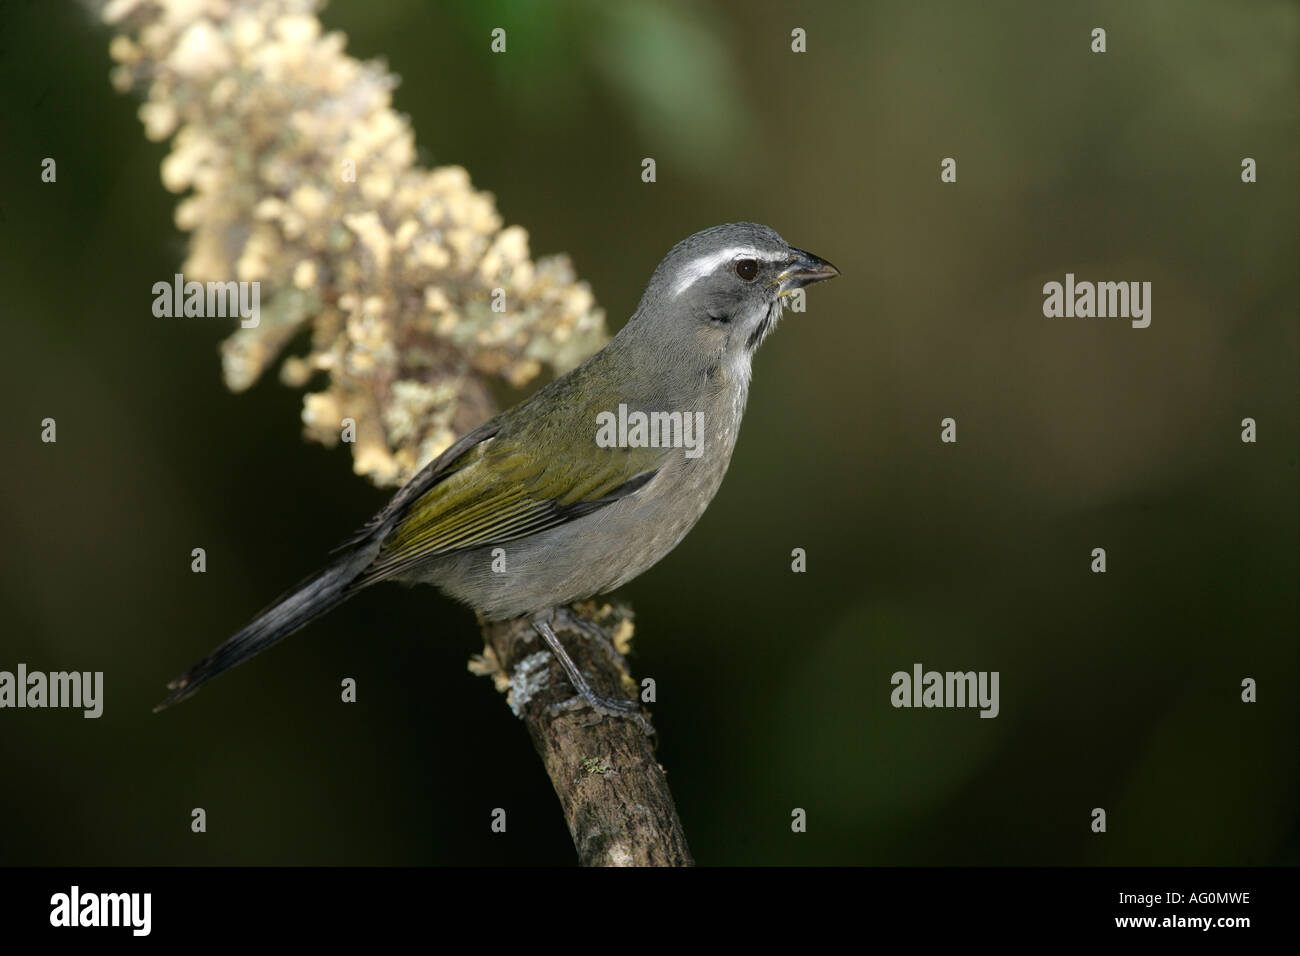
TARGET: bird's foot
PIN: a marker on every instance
(604, 706)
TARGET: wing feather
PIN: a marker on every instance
(499, 495)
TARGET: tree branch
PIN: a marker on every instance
(615, 797)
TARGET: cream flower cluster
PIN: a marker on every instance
(298, 174)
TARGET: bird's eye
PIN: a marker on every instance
(747, 268)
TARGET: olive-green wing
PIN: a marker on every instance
(501, 490)
(432, 473)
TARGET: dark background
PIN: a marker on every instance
(1118, 690)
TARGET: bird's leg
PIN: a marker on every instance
(565, 617)
(606, 706)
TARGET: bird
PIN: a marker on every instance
(550, 501)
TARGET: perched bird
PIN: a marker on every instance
(570, 504)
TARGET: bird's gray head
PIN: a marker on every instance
(717, 294)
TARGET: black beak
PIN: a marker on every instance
(805, 270)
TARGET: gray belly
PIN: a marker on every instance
(591, 555)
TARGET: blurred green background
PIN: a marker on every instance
(1118, 690)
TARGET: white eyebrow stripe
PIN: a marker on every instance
(704, 265)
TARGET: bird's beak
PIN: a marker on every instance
(804, 270)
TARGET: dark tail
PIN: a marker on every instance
(313, 597)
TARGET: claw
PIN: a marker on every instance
(604, 706)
